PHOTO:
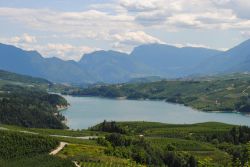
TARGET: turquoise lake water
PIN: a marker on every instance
(88, 111)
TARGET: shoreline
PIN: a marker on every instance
(62, 107)
(163, 100)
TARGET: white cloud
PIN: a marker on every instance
(122, 24)
(90, 23)
(245, 34)
(240, 7)
(128, 40)
(191, 14)
(140, 5)
(135, 38)
(65, 51)
(136, 15)
(25, 38)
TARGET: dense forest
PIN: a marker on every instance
(29, 107)
(207, 94)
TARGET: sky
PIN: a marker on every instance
(68, 29)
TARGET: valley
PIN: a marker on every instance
(125, 83)
(127, 143)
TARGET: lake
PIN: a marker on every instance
(88, 111)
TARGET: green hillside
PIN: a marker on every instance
(155, 144)
(13, 77)
(30, 107)
(27, 150)
(24, 101)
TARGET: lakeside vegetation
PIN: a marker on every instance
(225, 93)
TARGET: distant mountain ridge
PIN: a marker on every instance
(171, 61)
(31, 63)
(111, 66)
(236, 59)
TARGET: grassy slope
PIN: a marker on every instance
(22, 80)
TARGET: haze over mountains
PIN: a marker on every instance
(111, 66)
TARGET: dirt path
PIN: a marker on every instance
(76, 164)
(83, 137)
(59, 148)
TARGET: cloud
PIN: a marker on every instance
(140, 5)
(240, 7)
(101, 20)
(245, 34)
(65, 51)
(25, 38)
(128, 40)
(135, 38)
(90, 23)
(191, 14)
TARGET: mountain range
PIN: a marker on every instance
(111, 66)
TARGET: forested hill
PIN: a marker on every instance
(9, 76)
(24, 106)
(225, 93)
(24, 101)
